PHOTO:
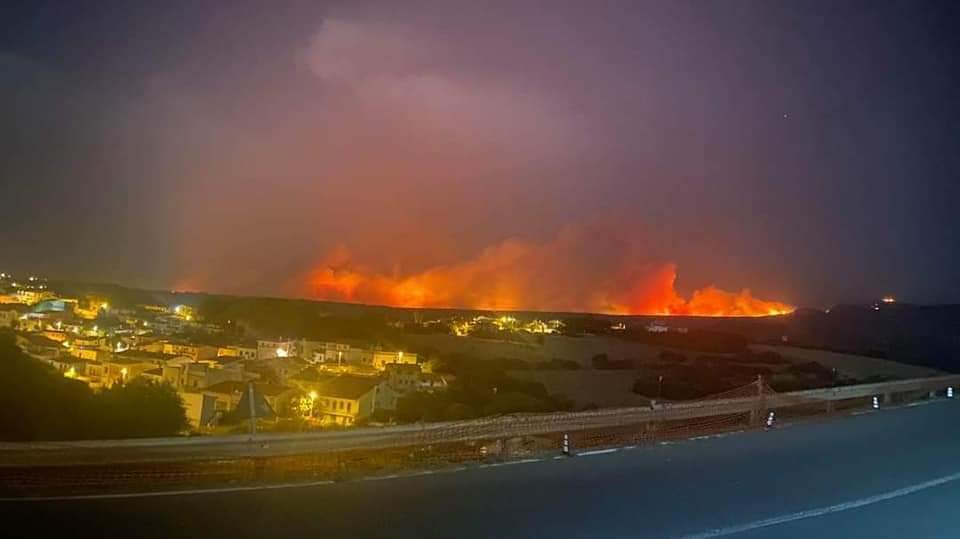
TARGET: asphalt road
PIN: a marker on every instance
(892, 473)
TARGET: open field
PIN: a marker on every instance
(587, 386)
(579, 349)
(849, 365)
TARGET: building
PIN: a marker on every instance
(404, 378)
(312, 351)
(657, 327)
(38, 346)
(89, 353)
(381, 359)
(344, 400)
(119, 369)
(245, 353)
(33, 296)
(10, 314)
(196, 352)
(228, 395)
(184, 373)
(284, 367)
(200, 408)
(280, 348)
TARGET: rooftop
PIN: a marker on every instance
(145, 354)
(233, 387)
(346, 387)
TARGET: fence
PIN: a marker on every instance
(170, 463)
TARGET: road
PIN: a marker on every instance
(179, 448)
(892, 473)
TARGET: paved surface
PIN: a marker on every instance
(893, 473)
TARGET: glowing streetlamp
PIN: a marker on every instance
(313, 400)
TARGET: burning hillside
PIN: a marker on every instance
(567, 274)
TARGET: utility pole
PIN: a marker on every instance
(253, 411)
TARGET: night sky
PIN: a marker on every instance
(561, 154)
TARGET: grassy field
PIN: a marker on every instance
(849, 365)
(604, 389)
(589, 386)
(579, 349)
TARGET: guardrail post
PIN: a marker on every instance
(830, 407)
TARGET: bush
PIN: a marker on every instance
(138, 409)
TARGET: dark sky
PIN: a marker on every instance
(807, 151)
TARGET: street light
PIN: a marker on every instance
(313, 399)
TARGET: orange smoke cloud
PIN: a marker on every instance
(570, 273)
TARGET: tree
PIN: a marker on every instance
(38, 403)
(141, 408)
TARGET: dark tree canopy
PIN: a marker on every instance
(37, 403)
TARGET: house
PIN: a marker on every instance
(38, 346)
(228, 395)
(277, 348)
(156, 358)
(346, 400)
(10, 314)
(340, 400)
(184, 373)
(245, 353)
(194, 351)
(404, 378)
(657, 327)
(381, 359)
(33, 296)
(312, 351)
(119, 369)
(89, 353)
(284, 367)
(200, 408)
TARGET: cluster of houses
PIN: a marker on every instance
(88, 340)
(483, 323)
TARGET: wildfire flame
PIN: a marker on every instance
(515, 275)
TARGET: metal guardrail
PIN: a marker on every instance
(503, 427)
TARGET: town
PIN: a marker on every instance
(322, 383)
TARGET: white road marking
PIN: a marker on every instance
(598, 452)
(821, 511)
